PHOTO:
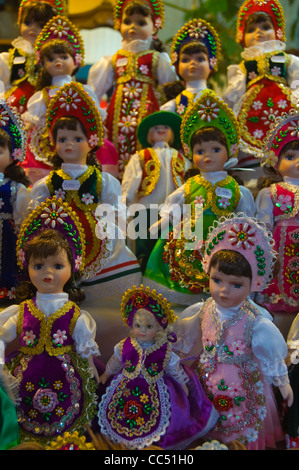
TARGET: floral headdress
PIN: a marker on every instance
(251, 239)
(56, 215)
(197, 31)
(12, 124)
(272, 7)
(142, 297)
(59, 28)
(285, 129)
(156, 6)
(59, 6)
(72, 101)
(210, 111)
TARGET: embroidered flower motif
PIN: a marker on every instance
(237, 347)
(275, 71)
(78, 263)
(127, 124)
(282, 104)
(234, 149)
(258, 133)
(60, 28)
(294, 128)
(69, 99)
(223, 202)
(59, 337)
(132, 90)
(199, 200)
(87, 198)
(293, 263)
(59, 193)
(93, 140)
(4, 117)
(242, 235)
(21, 255)
(279, 33)
(53, 215)
(174, 57)
(158, 22)
(180, 109)
(270, 159)
(136, 104)
(3, 292)
(132, 409)
(144, 69)
(295, 290)
(213, 62)
(284, 202)
(208, 111)
(270, 116)
(12, 293)
(29, 338)
(17, 154)
(252, 75)
(294, 236)
(140, 300)
(78, 59)
(144, 398)
(222, 403)
(198, 31)
(21, 73)
(45, 400)
(257, 105)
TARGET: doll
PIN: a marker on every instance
(9, 428)
(243, 352)
(260, 87)
(59, 53)
(195, 53)
(153, 173)
(54, 367)
(209, 133)
(14, 195)
(75, 128)
(137, 70)
(277, 207)
(152, 398)
(18, 70)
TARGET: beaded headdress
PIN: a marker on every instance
(142, 297)
(72, 101)
(197, 31)
(156, 6)
(248, 237)
(272, 7)
(59, 6)
(12, 124)
(59, 28)
(210, 111)
(56, 215)
(285, 129)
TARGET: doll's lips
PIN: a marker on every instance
(47, 280)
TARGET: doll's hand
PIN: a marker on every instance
(103, 378)
(94, 369)
(186, 390)
(287, 393)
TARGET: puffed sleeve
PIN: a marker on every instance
(166, 72)
(114, 365)
(131, 180)
(169, 106)
(101, 76)
(264, 208)
(236, 85)
(38, 194)
(84, 335)
(8, 327)
(246, 203)
(293, 72)
(175, 369)
(293, 335)
(20, 206)
(270, 348)
(5, 69)
(36, 109)
(188, 329)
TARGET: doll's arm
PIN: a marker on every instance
(113, 366)
(36, 110)
(264, 208)
(287, 393)
(171, 211)
(246, 203)
(20, 205)
(293, 73)
(175, 369)
(101, 76)
(166, 72)
(38, 194)
(131, 180)
(84, 336)
(5, 69)
(236, 85)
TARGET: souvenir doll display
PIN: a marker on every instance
(18, 70)
(135, 72)
(259, 88)
(152, 398)
(195, 53)
(243, 352)
(153, 173)
(209, 133)
(54, 366)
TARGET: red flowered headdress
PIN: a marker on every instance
(272, 7)
(56, 215)
(59, 28)
(156, 7)
(251, 239)
(59, 6)
(72, 101)
(142, 297)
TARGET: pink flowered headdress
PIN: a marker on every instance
(285, 129)
(249, 238)
(72, 101)
(56, 215)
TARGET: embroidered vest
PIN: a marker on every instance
(141, 66)
(266, 66)
(182, 101)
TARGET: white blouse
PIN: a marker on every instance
(83, 335)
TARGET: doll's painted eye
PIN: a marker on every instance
(38, 266)
(58, 266)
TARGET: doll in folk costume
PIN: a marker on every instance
(75, 128)
(195, 53)
(152, 399)
(209, 133)
(14, 195)
(18, 69)
(153, 173)
(136, 70)
(261, 87)
(242, 352)
(277, 207)
(54, 366)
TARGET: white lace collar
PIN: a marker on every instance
(263, 48)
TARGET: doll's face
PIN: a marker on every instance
(209, 156)
(137, 26)
(160, 133)
(145, 326)
(288, 164)
(29, 30)
(59, 64)
(5, 158)
(72, 146)
(259, 32)
(49, 275)
(228, 290)
(194, 66)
